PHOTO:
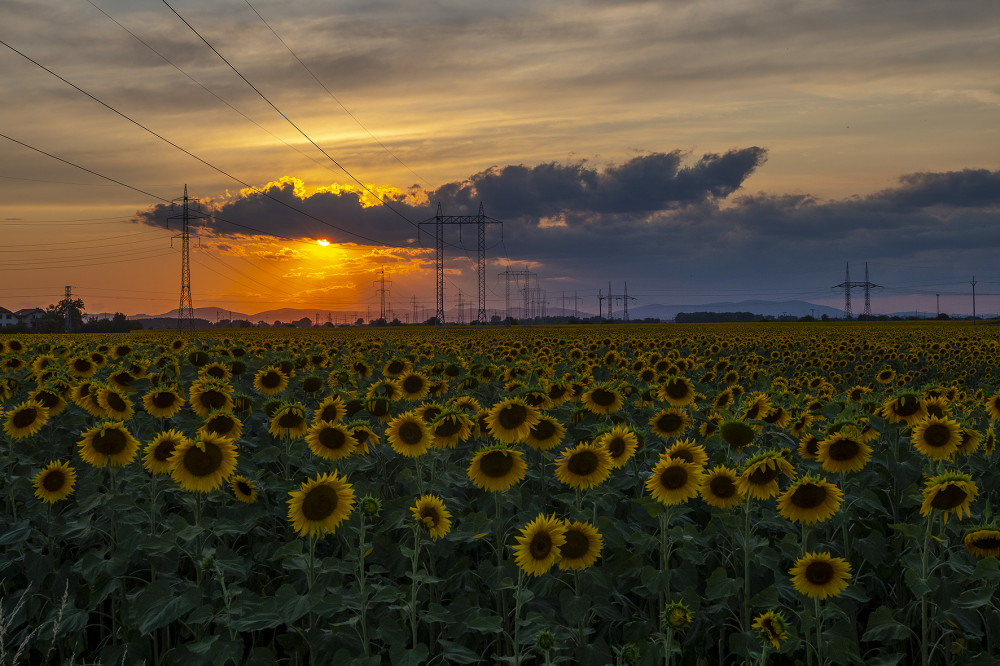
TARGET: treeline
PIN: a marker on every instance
(715, 317)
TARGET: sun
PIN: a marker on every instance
(322, 241)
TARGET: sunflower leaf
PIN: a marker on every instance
(882, 626)
(720, 585)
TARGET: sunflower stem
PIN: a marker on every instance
(819, 632)
(414, 562)
(311, 574)
(517, 617)
(745, 620)
(924, 629)
(362, 593)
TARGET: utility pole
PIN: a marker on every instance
(461, 311)
(185, 312)
(610, 316)
(600, 305)
(847, 285)
(973, 283)
(382, 292)
(938, 304)
(68, 298)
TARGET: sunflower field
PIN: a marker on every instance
(630, 494)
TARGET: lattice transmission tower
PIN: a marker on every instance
(185, 312)
(847, 286)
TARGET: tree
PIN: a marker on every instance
(54, 319)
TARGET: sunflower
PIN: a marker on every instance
(510, 421)
(539, 544)
(603, 399)
(331, 409)
(496, 468)
(937, 438)
(222, 424)
(719, 488)
(545, 435)
(818, 575)
(760, 475)
(737, 434)
(413, 386)
(50, 398)
(163, 403)
(379, 408)
(951, 492)
(396, 367)
(983, 541)
(270, 381)
(808, 446)
(216, 370)
(450, 427)
(25, 419)
(156, 458)
(243, 489)
(108, 444)
(992, 407)
(331, 441)
(674, 481)
(620, 443)
(676, 615)
(466, 403)
(582, 547)
(289, 421)
(757, 405)
(206, 395)
(669, 423)
(809, 500)
(677, 391)
(387, 388)
(843, 453)
(430, 512)
(320, 505)
(81, 367)
(584, 466)
(363, 435)
(970, 441)
(55, 482)
(772, 628)
(204, 464)
(688, 451)
(408, 435)
(906, 407)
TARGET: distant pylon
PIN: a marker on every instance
(68, 298)
(185, 311)
(383, 293)
(847, 285)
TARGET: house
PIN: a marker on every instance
(7, 318)
(29, 316)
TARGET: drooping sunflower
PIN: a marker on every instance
(450, 427)
(669, 423)
(583, 466)
(510, 421)
(937, 438)
(907, 407)
(688, 451)
(330, 441)
(408, 435)
(719, 488)
(677, 391)
(737, 434)
(270, 381)
(289, 420)
(25, 419)
(430, 512)
(222, 424)
(49, 397)
(772, 627)
(331, 409)
(809, 500)
(206, 395)
(545, 435)
(243, 489)
(818, 575)
(539, 544)
(379, 408)
(676, 615)
(760, 474)
(164, 402)
(55, 482)
(674, 481)
(951, 492)
(156, 458)
(496, 468)
(843, 453)
(983, 541)
(364, 436)
(992, 406)
(620, 443)
(320, 505)
(108, 444)
(603, 399)
(582, 546)
(204, 464)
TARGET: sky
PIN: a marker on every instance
(689, 151)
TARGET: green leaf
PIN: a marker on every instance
(490, 624)
(158, 605)
(453, 653)
(882, 626)
(720, 585)
(16, 534)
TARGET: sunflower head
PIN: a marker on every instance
(621, 444)
(809, 500)
(583, 466)
(818, 575)
(676, 616)
(109, 444)
(430, 512)
(510, 420)
(737, 434)
(320, 505)
(950, 492)
(720, 489)
(677, 391)
(936, 437)
(496, 468)
(156, 458)
(55, 482)
(772, 627)
(674, 481)
(25, 419)
(202, 465)
(582, 546)
(546, 434)
(983, 541)
(243, 489)
(539, 544)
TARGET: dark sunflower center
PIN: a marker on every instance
(819, 573)
(907, 406)
(395, 367)
(360, 436)
(271, 380)
(754, 411)
(812, 446)
(937, 435)
(674, 477)
(47, 398)
(244, 488)
(291, 419)
(220, 424)
(116, 403)
(81, 365)
(110, 442)
(163, 450)
(844, 449)
(736, 434)
(25, 417)
(583, 463)
(775, 415)
(496, 464)
(164, 399)
(378, 407)
(602, 397)
(213, 399)
(949, 497)
(543, 430)
(432, 513)
(577, 545)
(311, 384)
(410, 433)
(413, 384)
(329, 413)
(332, 438)
(808, 496)
(512, 417)
(431, 413)
(216, 371)
(987, 543)
(722, 487)
(676, 389)
(616, 446)
(670, 422)
(448, 427)
(683, 454)
(762, 475)
(540, 546)
(320, 503)
(54, 480)
(203, 463)
(556, 392)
